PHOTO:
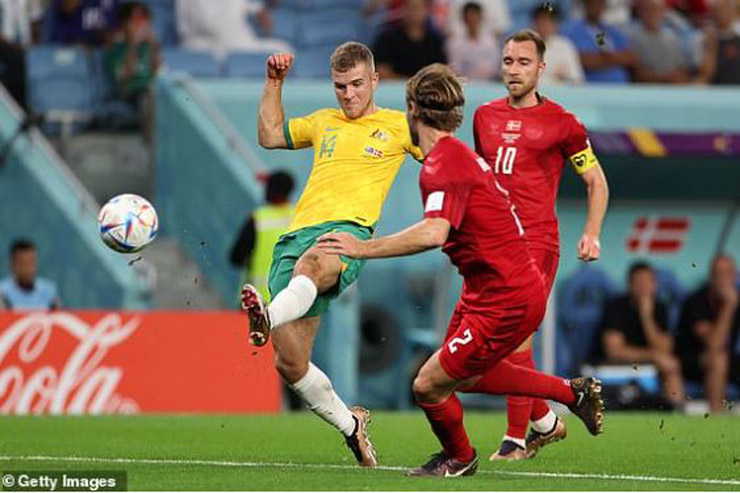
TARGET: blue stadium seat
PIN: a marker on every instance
(163, 20)
(245, 64)
(329, 27)
(285, 25)
(195, 63)
(580, 302)
(313, 63)
(59, 79)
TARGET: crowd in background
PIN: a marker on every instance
(617, 41)
(660, 41)
(588, 41)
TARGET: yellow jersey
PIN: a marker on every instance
(355, 163)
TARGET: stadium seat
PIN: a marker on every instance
(580, 301)
(163, 20)
(329, 27)
(59, 79)
(285, 25)
(313, 63)
(245, 64)
(195, 63)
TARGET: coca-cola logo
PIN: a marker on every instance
(82, 384)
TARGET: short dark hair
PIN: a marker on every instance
(529, 35)
(21, 245)
(438, 94)
(550, 10)
(471, 6)
(279, 186)
(639, 266)
(349, 54)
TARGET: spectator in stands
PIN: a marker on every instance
(252, 250)
(604, 49)
(221, 26)
(23, 290)
(634, 331)
(727, 66)
(563, 66)
(87, 22)
(496, 18)
(660, 58)
(474, 54)
(20, 26)
(391, 10)
(400, 51)
(708, 332)
(132, 61)
(616, 12)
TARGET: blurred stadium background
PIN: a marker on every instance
(158, 331)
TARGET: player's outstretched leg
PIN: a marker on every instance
(292, 343)
(433, 390)
(581, 395)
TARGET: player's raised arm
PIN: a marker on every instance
(271, 115)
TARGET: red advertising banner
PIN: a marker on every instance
(96, 362)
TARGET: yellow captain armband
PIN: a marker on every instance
(584, 160)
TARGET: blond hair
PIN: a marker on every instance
(347, 55)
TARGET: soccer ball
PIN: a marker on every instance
(128, 223)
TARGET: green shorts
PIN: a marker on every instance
(291, 246)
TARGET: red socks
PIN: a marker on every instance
(521, 410)
(519, 407)
(446, 419)
(510, 379)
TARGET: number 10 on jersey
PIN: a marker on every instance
(505, 160)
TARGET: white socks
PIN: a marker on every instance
(546, 424)
(293, 302)
(519, 441)
(316, 390)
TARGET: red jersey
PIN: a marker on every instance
(486, 241)
(527, 149)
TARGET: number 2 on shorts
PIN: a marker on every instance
(467, 337)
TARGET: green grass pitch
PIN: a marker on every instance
(300, 452)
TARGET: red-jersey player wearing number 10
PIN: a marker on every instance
(527, 139)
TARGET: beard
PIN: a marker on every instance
(522, 92)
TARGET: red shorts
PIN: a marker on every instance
(547, 261)
(477, 340)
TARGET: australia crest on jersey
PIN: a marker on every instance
(380, 135)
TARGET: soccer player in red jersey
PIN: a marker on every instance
(527, 139)
(469, 214)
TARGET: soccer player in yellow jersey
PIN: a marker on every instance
(358, 150)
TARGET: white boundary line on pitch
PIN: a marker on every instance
(222, 463)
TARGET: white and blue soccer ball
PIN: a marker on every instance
(128, 223)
